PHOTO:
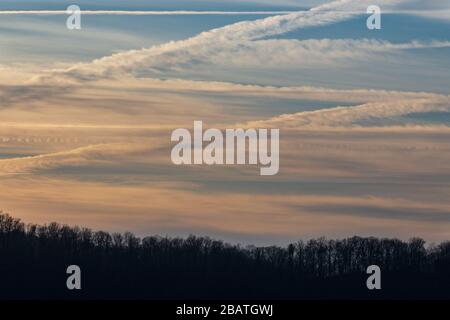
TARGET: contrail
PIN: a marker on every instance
(125, 12)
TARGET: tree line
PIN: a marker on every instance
(34, 258)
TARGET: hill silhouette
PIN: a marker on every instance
(34, 259)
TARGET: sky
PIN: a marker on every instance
(364, 116)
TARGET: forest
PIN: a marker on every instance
(34, 260)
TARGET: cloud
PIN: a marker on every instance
(245, 44)
(101, 153)
(217, 39)
(341, 177)
(153, 210)
(293, 54)
(376, 113)
(253, 90)
(261, 54)
(435, 14)
(142, 104)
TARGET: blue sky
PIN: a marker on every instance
(157, 5)
(364, 115)
(40, 39)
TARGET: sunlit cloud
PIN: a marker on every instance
(89, 143)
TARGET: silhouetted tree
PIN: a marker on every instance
(34, 258)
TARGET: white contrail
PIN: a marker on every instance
(143, 13)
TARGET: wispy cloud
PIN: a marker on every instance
(293, 54)
(339, 160)
(245, 44)
(92, 154)
(227, 36)
(375, 114)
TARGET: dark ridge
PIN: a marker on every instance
(34, 259)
